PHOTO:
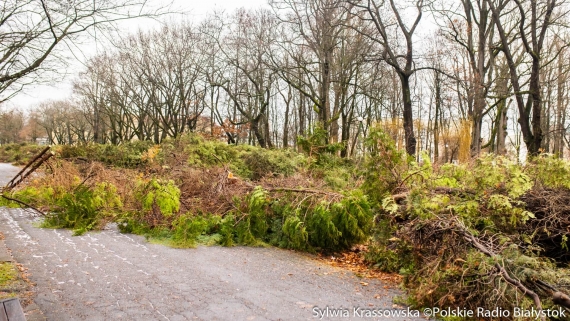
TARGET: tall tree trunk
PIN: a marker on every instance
(535, 92)
(560, 88)
(334, 129)
(408, 115)
(257, 132)
(502, 130)
(69, 136)
(345, 134)
(286, 121)
(302, 115)
(324, 108)
(267, 131)
(477, 117)
(436, 117)
(156, 133)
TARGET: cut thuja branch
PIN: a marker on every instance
(227, 176)
(558, 297)
(303, 190)
(500, 265)
(400, 197)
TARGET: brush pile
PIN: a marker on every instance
(490, 234)
(193, 190)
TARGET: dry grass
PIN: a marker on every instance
(208, 190)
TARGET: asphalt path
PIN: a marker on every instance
(107, 275)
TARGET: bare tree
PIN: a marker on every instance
(32, 31)
(309, 45)
(11, 123)
(32, 129)
(471, 27)
(389, 25)
(242, 70)
(534, 20)
(61, 121)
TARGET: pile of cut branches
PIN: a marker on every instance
(491, 234)
(192, 189)
(551, 225)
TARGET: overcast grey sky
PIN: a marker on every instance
(194, 10)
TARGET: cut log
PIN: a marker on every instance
(561, 299)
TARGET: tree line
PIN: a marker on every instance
(450, 77)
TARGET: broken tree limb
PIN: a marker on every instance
(450, 190)
(31, 167)
(400, 197)
(408, 177)
(561, 299)
(29, 163)
(22, 203)
(294, 190)
(303, 190)
(558, 297)
(504, 273)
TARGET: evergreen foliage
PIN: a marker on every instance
(323, 159)
(316, 145)
(295, 234)
(384, 165)
(81, 208)
(420, 233)
(18, 154)
(159, 195)
(186, 230)
(246, 161)
(127, 155)
(414, 216)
